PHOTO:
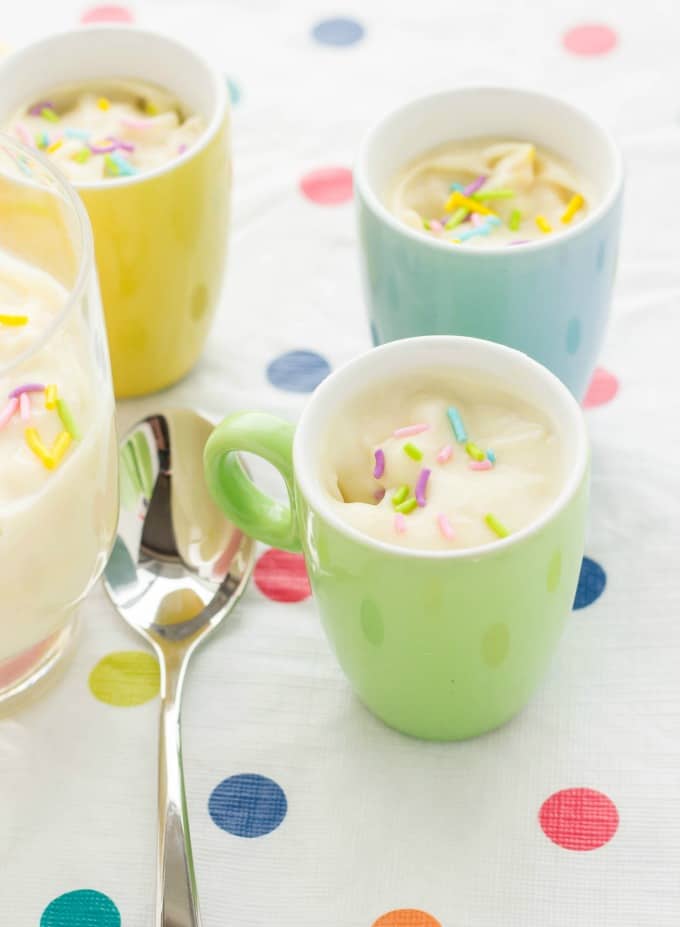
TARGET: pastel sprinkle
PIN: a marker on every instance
(399, 495)
(38, 448)
(515, 219)
(123, 165)
(110, 166)
(51, 396)
(459, 199)
(445, 527)
(480, 464)
(81, 135)
(457, 424)
(407, 506)
(456, 186)
(455, 220)
(413, 452)
(409, 430)
(42, 139)
(379, 468)
(496, 526)
(435, 225)
(82, 156)
(445, 454)
(27, 388)
(474, 186)
(399, 523)
(494, 195)
(490, 455)
(543, 224)
(8, 412)
(67, 420)
(37, 108)
(25, 407)
(477, 220)
(181, 149)
(103, 104)
(421, 486)
(13, 321)
(55, 146)
(519, 241)
(23, 134)
(48, 113)
(474, 451)
(485, 228)
(60, 447)
(104, 147)
(122, 144)
(573, 206)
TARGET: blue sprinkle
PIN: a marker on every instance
(81, 134)
(456, 186)
(125, 168)
(491, 456)
(457, 424)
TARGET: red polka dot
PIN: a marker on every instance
(328, 186)
(407, 917)
(282, 576)
(579, 819)
(590, 39)
(107, 14)
(603, 387)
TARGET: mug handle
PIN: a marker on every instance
(251, 510)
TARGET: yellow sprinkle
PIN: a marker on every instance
(51, 396)
(499, 529)
(60, 447)
(475, 452)
(38, 448)
(103, 103)
(458, 199)
(575, 203)
(55, 146)
(13, 320)
(543, 224)
(150, 108)
(82, 156)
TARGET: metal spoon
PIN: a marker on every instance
(176, 571)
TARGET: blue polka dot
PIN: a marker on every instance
(84, 908)
(235, 92)
(591, 583)
(573, 336)
(248, 805)
(298, 371)
(338, 32)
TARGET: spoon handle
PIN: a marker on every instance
(176, 896)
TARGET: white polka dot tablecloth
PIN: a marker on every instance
(305, 810)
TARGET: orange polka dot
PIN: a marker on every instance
(407, 917)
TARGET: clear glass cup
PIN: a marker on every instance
(58, 449)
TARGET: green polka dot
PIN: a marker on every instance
(554, 571)
(126, 678)
(495, 645)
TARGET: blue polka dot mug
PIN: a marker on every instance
(549, 298)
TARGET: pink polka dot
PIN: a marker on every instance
(603, 387)
(328, 186)
(590, 39)
(282, 576)
(107, 14)
(579, 819)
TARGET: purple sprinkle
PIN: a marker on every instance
(37, 108)
(181, 149)
(379, 494)
(27, 388)
(421, 485)
(124, 146)
(474, 186)
(519, 241)
(379, 463)
(102, 149)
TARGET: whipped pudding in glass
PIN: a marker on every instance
(58, 457)
(101, 130)
(441, 461)
(486, 192)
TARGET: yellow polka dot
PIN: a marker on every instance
(125, 678)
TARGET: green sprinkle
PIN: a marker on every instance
(496, 526)
(515, 219)
(48, 113)
(82, 156)
(400, 495)
(456, 218)
(110, 166)
(406, 507)
(42, 139)
(413, 452)
(64, 414)
(475, 452)
(493, 195)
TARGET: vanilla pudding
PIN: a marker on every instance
(104, 130)
(446, 462)
(58, 487)
(484, 193)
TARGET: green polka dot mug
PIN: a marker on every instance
(442, 645)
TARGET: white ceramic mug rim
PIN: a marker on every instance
(308, 484)
(374, 202)
(216, 120)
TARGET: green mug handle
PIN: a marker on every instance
(242, 502)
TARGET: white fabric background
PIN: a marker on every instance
(377, 821)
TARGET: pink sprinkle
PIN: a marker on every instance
(399, 523)
(519, 241)
(474, 186)
(27, 388)
(379, 494)
(8, 412)
(409, 430)
(23, 134)
(477, 219)
(25, 407)
(435, 225)
(379, 468)
(181, 149)
(445, 454)
(445, 527)
(480, 465)
(133, 123)
(421, 486)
